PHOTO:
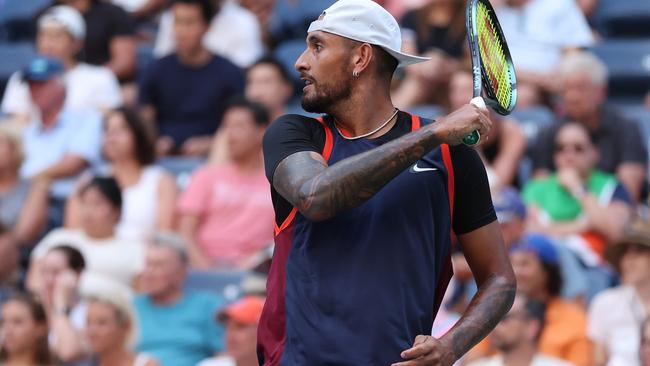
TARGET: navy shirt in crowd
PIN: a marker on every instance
(189, 101)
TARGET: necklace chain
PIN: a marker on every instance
(369, 133)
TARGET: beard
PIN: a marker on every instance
(324, 96)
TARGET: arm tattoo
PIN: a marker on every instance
(320, 192)
(492, 301)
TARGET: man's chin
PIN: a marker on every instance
(311, 105)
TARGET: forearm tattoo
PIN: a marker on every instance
(320, 192)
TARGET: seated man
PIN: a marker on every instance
(619, 141)
(184, 94)
(269, 83)
(175, 325)
(240, 320)
(61, 32)
(62, 142)
(226, 212)
(516, 336)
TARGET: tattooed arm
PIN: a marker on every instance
(487, 257)
(320, 192)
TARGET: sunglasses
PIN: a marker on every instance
(575, 148)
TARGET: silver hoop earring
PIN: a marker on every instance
(355, 74)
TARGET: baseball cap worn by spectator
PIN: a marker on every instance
(246, 310)
(540, 246)
(67, 17)
(509, 205)
(42, 68)
(637, 234)
(365, 21)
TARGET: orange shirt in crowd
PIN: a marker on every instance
(565, 333)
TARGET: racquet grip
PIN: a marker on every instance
(474, 137)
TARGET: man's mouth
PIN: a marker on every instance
(306, 82)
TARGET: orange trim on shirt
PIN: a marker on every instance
(327, 152)
(446, 158)
(415, 123)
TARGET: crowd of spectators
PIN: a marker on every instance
(136, 219)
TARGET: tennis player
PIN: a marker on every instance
(366, 200)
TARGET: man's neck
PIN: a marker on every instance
(519, 356)
(167, 298)
(251, 360)
(251, 163)
(8, 179)
(24, 358)
(194, 58)
(100, 234)
(365, 110)
(117, 356)
(126, 171)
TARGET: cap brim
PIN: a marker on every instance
(406, 59)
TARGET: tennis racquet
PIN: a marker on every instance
(492, 65)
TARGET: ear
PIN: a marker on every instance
(362, 57)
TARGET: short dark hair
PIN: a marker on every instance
(144, 147)
(553, 278)
(208, 7)
(277, 65)
(260, 114)
(108, 187)
(74, 259)
(386, 64)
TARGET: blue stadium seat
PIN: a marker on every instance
(145, 56)
(623, 18)
(426, 111)
(181, 168)
(13, 56)
(225, 284)
(295, 108)
(291, 18)
(287, 53)
(532, 119)
(17, 18)
(628, 61)
(641, 115)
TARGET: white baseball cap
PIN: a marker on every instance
(66, 16)
(368, 22)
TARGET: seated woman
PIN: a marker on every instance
(148, 192)
(226, 212)
(110, 330)
(582, 207)
(24, 333)
(108, 259)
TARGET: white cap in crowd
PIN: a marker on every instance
(66, 16)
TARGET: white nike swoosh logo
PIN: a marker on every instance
(417, 169)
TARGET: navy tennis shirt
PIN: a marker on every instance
(356, 289)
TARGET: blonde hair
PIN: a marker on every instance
(586, 63)
(13, 133)
(120, 301)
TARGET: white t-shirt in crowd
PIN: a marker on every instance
(108, 261)
(242, 47)
(539, 31)
(130, 5)
(140, 206)
(614, 321)
(218, 361)
(538, 360)
(88, 87)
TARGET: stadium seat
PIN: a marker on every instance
(295, 108)
(641, 115)
(226, 284)
(13, 56)
(532, 119)
(287, 53)
(291, 18)
(628, 61)
(17, 18)
(426, 111)
(181, 168)
(145, 56)
(623, 18)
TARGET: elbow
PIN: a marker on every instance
(309, 204)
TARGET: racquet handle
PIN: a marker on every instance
(474, 137)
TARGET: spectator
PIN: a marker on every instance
(240, 321)
(290, 19)
(141, 10)
(226, 212)
(187, 117)
(537, 42)
(617, 314)
(61, 31)
(645, 344)
(583, 207)
(505, 144)
(148, 192)
(242, 47)
(436, 30)
(61, 270)
(269, 83)
(111, 329)
(23, 206)
(175, 325)
(23, 333)
(620, 145)
(110, 36)
(516, 337)
(564, 334)
(109, 260)
(62, 142)
(263, 10)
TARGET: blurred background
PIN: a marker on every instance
(136, 224)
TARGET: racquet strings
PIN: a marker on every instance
(494, 58)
